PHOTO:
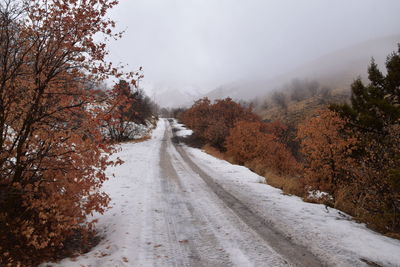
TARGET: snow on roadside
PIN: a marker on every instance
(181, 130)
(134, 230)
(125, 227)
(328, 233)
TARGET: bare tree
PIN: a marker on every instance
(279, 98)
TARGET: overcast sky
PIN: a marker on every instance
(206, 43)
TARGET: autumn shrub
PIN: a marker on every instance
(327, 147)
(224, 114)
(245, 141)
(125, 111)
(198, 117)
(213, 121)
(361, 180)
(52, 159)
(119, 115)
(257, 143)
(231, 128)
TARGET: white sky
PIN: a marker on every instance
(206, 43)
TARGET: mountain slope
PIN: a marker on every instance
(335, 70)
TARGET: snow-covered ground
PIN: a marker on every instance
(172, 206)
(181, 130)
(328, 233)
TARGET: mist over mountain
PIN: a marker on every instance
(169, 96)
(209, 44)
(335, 70)
(173, 97)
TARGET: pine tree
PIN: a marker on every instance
(376, 106)
(374, 118)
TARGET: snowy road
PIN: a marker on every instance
(177, 206)
(221, 231)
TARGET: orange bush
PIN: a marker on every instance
(228, 126)
(327, 146)
(224, 114)
(198, 116)
(117, 112)
(245, 140)
(52, 159)
(255, 142)
(212, 122)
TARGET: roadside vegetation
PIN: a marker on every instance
(57, 125)
(345, 154)
(127, 113)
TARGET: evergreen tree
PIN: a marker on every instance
(376, 106)
(374, 119)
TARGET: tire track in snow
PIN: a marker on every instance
(186, 228)
(205, 247)
(296, 254)
(184, 253)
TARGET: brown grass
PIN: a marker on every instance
(342, 201)
(289, 185)
(216, 153)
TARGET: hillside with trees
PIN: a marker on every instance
(335, 70)
(344, 154)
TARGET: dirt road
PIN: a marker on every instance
(213, 227)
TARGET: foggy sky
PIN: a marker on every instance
(205, 43)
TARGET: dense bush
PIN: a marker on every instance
(197, 117)
(376, 189)
(126, 111)
(328, 148)
(235, 130)
(212, 122)
(52, 159)
(244, 142)
(353, 151)
(258, 143)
